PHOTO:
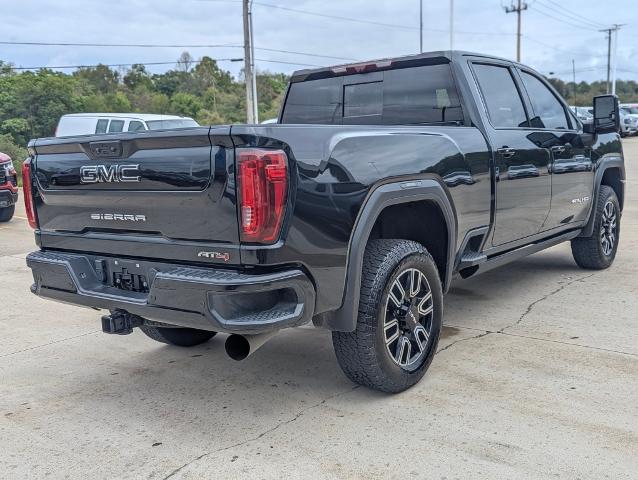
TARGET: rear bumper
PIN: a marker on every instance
(7, 197)
(205, 298)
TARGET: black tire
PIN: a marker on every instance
(591, 252)
(182, 337)
(363, 354)
(6, 213)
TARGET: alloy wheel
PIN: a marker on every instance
(609, 228)
(407, 323)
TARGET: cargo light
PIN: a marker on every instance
(262, 177)
(362, 67)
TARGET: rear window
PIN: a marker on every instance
(406, 96)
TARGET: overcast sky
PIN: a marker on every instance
(552, 36)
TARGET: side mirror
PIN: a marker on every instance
(606, 114)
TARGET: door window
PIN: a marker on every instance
(116, 126)
(548, 111)
(502, 100)
(101, 125)
(135, 126)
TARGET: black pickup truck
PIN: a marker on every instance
(381, 182)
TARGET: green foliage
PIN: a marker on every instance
(17, 128)
(31, 103)
(583, 93)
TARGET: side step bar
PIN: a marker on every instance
(501, 259)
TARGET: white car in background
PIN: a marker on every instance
(629, 118)
(583, 114)
(97, 123)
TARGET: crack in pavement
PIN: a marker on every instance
(530, 307)
(480, 335)
(529, 337)
(262, 434)
(50, 343)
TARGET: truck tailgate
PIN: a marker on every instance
(162, 194)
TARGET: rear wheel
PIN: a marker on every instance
(6, 213)
(399, 321)
(599, 250)
(182, 337)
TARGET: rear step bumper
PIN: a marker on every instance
(204, 298)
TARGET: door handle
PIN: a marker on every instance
(506, 152)
(558, 149)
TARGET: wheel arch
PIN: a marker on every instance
(390, 195)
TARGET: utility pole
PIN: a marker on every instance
(611, 82)
(252, 65)
(451, 24)
(248, 71)
(608, 32)
(421, 26)
(613, 74)
(574, 79)
(518, 9)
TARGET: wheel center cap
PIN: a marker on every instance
(412, 318)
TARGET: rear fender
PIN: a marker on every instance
(385, 195)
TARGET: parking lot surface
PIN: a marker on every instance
(536, 377)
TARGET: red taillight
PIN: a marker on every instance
(262, 176)
(28, 193)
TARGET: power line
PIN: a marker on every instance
(114, 65)
(568, 13)
(569, 52)
(358, 20)
(562, 20)
(167, 45)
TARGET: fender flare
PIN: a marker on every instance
(404, 191)
(604, 165)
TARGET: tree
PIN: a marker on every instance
(185, 62)
(17, 128)
(185, 104)
(138, 77)
(101, 78)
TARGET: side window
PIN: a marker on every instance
(502, 100)
(135, 126)
(548, 111)
(116, 126)
(102, 123)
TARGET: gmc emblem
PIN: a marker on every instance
(109, 173)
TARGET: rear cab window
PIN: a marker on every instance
(501, 97)
(402, 96)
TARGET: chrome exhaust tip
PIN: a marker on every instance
(239, 347)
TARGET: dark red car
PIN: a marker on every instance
(8, 188)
